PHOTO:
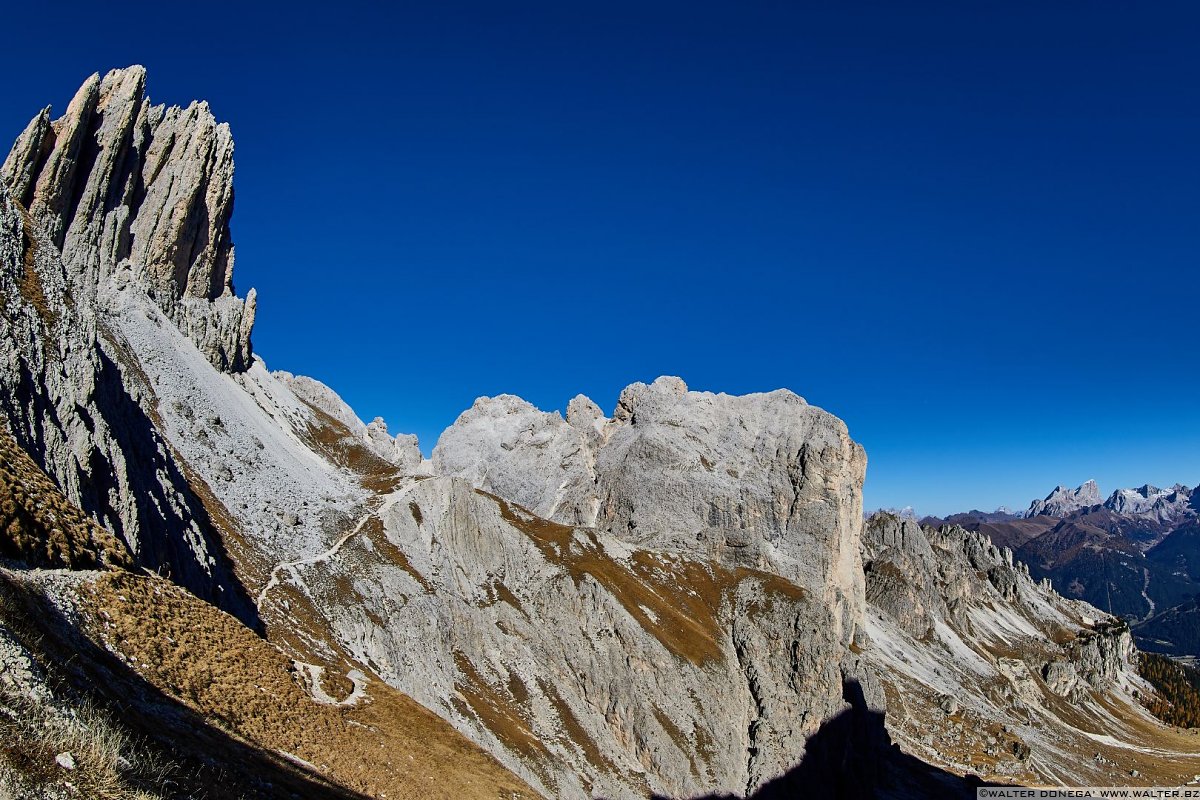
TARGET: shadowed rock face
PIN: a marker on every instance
(116, 179)
(74, 397)
(117, 197)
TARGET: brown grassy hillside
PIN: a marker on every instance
(41, 527)
(154, 692)
(386, 745)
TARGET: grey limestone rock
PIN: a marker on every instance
(74, 396)
(1063, 501)
(1160, 505)
(640, 671)
(402, 450)
(1103, 654)
(321, 397)
(762, 480)
(957, 628)
(529, 457)
(115, 179)
(1060, 677)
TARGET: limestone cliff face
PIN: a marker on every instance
(118, 198)
(592, 667)
(116, 179)
(74, 396)
(764, 481)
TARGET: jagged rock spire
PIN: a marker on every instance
(116, 179)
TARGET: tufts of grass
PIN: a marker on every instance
(385, 745)
(39, 526)
(31, 282)
(106, 761)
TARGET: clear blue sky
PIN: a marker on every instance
(968, 229)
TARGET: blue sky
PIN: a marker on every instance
(968, 229)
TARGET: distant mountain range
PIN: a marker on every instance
(1135, 554)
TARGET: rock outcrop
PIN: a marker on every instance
(117, 198)
(1129, 555)
(763, 480)
(959, 570)
(116, 179)
(75, 398)
(986, 666)
(592, 666)
(1158, 505)
(401, 450)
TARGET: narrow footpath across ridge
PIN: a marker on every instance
(291, 566)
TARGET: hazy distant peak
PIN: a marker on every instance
(1148, 500)
(1063, 501)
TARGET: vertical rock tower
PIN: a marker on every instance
(116, 181)
(118, 195)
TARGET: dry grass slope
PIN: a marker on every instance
(31, 282)
(109, 763)
(386, 745)
(493, 710)
(339, 445)
(41, 527)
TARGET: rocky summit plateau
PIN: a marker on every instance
(219, 582)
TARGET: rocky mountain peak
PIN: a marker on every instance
(760, 480)
(1063, 501)
(117, 181)
(1147, 500)
(671, 601)
(646, 399)
(583, 413)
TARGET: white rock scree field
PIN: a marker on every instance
(219, 582)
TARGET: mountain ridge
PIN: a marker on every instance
(681, 599)
(1134, 554)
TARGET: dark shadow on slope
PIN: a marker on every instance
(158, 485)
(173, 522)
(852, 757)
(211, 764)
(169, 513)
